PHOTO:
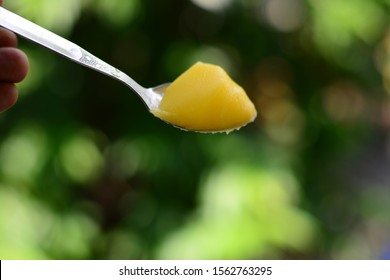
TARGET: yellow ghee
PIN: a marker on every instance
(204, 98)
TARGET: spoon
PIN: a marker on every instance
(150, 96)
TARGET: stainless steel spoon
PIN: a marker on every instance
(150, 96)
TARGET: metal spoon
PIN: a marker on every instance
(150, 96)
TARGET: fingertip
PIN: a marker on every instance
(14, 64)
(8, 96)
(24, 65)
(8, 38)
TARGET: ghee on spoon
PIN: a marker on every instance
(205, 99)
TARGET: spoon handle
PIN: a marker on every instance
(62, 46)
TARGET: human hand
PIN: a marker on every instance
(13, 68)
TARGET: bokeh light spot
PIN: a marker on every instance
(213, 5)
(81, 159)
(23, 154)
(285, 15)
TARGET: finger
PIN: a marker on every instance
(8, 96)
(7, 38)
(13, 64)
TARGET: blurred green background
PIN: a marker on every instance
(86, 172)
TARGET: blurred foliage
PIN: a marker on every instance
(87, 173)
